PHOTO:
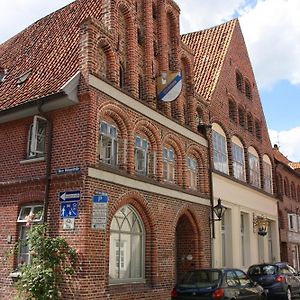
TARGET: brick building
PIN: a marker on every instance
(288, 186)
(243, 164)
(80, 120)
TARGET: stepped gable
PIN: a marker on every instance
(48, 49)
(210, 47)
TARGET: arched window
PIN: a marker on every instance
(238, 159)
(127, 240)
(254, 167)
(250, 125)
(248, 91)
(239, 81)
(141, 155)
(257, 129)
(232, 110)
(293, 191)
(192, 168)
(286, 187)
(168, 164)
(219, 149)
(268, 178)
(242, 117)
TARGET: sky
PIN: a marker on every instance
(271, 30)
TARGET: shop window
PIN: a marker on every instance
(141, 155)
(37, 138)
(168, 165)
(108, 144)
(35, 213)
(220, 152)
(238, 161)
(192, 172)
(127, 242)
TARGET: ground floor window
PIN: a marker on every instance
(126, 258)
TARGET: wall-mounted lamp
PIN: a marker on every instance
(260, 225)
(219, 210)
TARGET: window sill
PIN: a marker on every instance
(127, 282)
(32, 160)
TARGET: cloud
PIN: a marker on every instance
(19, 14)
(271, 29)
(288, 142)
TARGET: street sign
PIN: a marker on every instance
(68, 223)
(68, 170)
(69, 196)
(69, 209)
(99, 213)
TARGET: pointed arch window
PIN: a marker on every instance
(254, 167)
(192, 172)
(232, 110)
(168, 165)
(268, 178)
(127, 246)
(239, 81)
(248, 91)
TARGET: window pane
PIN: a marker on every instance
(25, 211)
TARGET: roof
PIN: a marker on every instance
(210, 47)
(48, 50)
(294, 165)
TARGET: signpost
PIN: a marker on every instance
(99, 214)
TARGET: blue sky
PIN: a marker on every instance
(272, 33)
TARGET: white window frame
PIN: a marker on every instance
(108, 153)
(220, 152)
(192, 172)
(168, 165)
(238, 161)
(141, 150)
(36, 138)
(293, 222)
(22, 220)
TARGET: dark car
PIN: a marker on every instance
(280, 280)
(217, 284)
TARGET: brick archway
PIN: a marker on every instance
(186, 245)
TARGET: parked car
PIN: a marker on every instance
(219, 284)
(280, 280)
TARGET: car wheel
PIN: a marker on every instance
(288, 295)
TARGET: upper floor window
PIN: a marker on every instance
(220, 152)
(250, 125)
(108, 144)
(127, 243)
(293, 222)
(168, 165)
(239, 81)
(141, 155)
(242, 117)
(37, 137)
(286, 187)
(254, 168)
(34, 214)
(257, 129)
(232, 110)
(238, 159)
(268, 179)
(192, 172)
(293, 191)
(248, 91)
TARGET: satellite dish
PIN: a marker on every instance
(169, 85)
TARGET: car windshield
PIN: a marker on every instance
(263, 270)
(200, 279)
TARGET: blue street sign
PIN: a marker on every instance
(100, 198)
(69, 196)
(68, 209)
(68, 170)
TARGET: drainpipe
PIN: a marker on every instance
(48, 163)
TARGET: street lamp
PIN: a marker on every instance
(219, 210)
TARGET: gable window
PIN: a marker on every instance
(168, 165)
(257, 130)
(238, 160)
(127, 242)
(220, 152)
(232, 110)
(242, 117)
(248, 91)
(239, 81)
(254, 169)
(37, 137)
(250, 125)
(108, 144)
(35, 212)
(192, 173)
(268, 179)
(141, 155)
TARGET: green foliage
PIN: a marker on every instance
(51, 259)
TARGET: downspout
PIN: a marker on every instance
(48, 164)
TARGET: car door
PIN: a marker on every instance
(294, 279)
(247, 289)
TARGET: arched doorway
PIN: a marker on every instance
(187, 238)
